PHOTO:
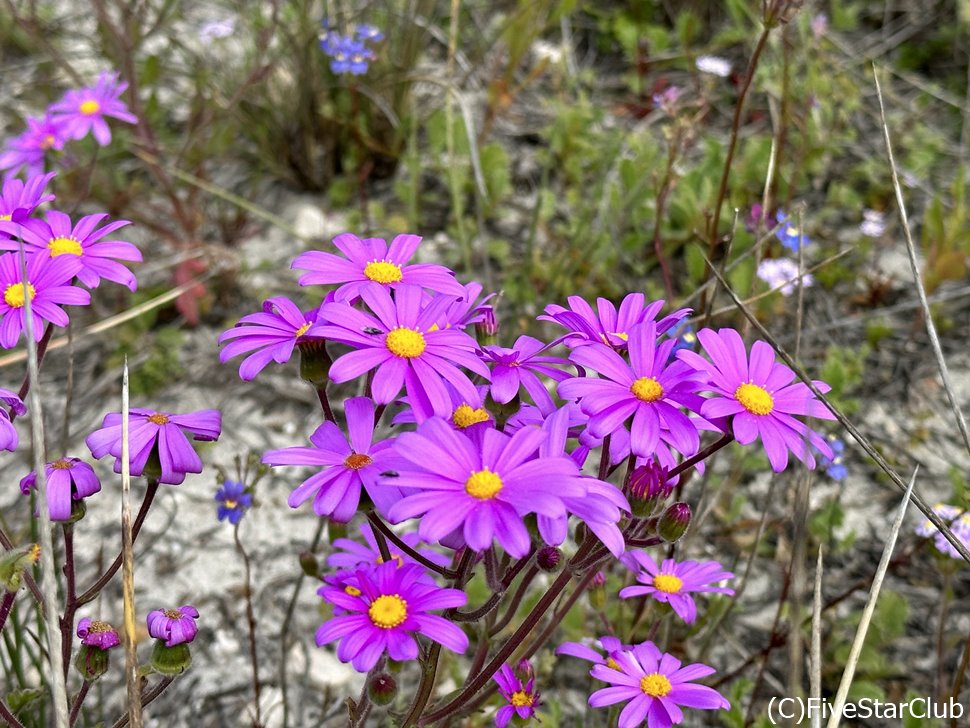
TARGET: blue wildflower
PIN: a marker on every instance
(834, 467)
(366, 32)
(349, 56)
(328, 37)
(233, 501)
(788, 233)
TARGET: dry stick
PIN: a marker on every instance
(863, 441)
(860, 635)
(918, 279)
(251, 622)
(128, 566)
(48, 586)
(815, 678)
(958, 678)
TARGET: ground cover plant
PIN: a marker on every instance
(452, 363)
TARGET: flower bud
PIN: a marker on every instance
(382, 689)
(314, 361)
(597, 591)
(647, 489)
(91, 662)
(171, 660)
(14, 563)
(486, 330)
(674, 522)
(549, 558)
(309, 564)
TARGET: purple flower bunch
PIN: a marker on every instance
(78, 113)
(349, 53)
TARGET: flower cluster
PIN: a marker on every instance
(78, 113)
(957, 518)
(349, 53)
(783, 274)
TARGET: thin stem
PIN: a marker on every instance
(513, 605)
(8, 716)
(941, 631)
(79, 701)
(386, 531)
(696, 458)
(146, 698)
(382, 544)
(41, 350)
(325, 404)
(96, 588)
(251, 622)
(5, 605)
(67, 621)
(958, 677)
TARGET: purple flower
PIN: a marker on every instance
(18, 200)
(404, 345)
(518, 367)
(466, 310)
(959, 522)
(67, 479)
(270, 334)
(760, 397)
(233, 501)
(651, 389)
(8, 433)
(84, 110)
(30, 148)
(608, 645)
(217, 29)
(48, 285)
(95, 633)
(672, 582)
(175, 626)
(656, 685)
(55, 237)
(349, 56)
(607, 325)
(349, 464)
(370, 262)
(783, 273)
(328, 37)
(484, 485)
(353, 555)
(788, 233)
(392, 606)
(522, 699)
(158, 436)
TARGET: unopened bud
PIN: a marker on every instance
(647, 489)
(314, 361)
(674, 522)
(382, 689)
(309, 564)
(486, 330)
(14, 563)
(549, 558)
(171, 660)
(91, 662)
(597, 591)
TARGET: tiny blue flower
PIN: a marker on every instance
(834, 467)
(366, 32)
(233, 501)
(349, 56)
(788, 233)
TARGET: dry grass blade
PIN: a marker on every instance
(860, 635)
(48, 585)
(914, 265)
(863, 441)
(815, 677)
(132, 680)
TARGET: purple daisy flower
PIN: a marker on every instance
(607, 325)
(404, 346)
(19, 199)
(483, 485)
(270, 334)
(522, 698)
(67, 479)
(30, 148)
(656, 685)
(349, 464)
(233, 501)
(370, 261)
(8, 433)
(55, 237)
(519, 367)
(84, 110)
(95, 633)
(470, 308)
(465, 413)
(351, 555)
(160, 436)
(650, 389)
(759, 397)
(608, 645)
(48, 285)
(673, 582)
(175, 626)
(392, 606)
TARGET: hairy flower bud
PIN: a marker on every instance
(171, 660)
(549, 558)
(647, 489)
(486, 330)
(382, 689)
(314, 361)
(674, 522)
(309, 564)
(91, 662)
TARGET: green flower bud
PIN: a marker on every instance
(382, 689)
(91, 662)
(171, 660)
(674, 522)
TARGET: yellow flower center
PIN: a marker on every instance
(396, 558)
(388, 611)
(47, 142)
(668, 583)
(99, 627)
(300, 331)
(483, 484)
(4, 217)
(13, 296)
(62, 464)
(655, 685)
(89, 107)
(60, 246)
(521, 699)
(791, 231)
(405, 343)
(173, 614)
(613, 664)
(158, 419)
(383, 271)
(230, 504)
(647, 389)
(465, 416)
(755, 399)
(356, 461)
(352, 590)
